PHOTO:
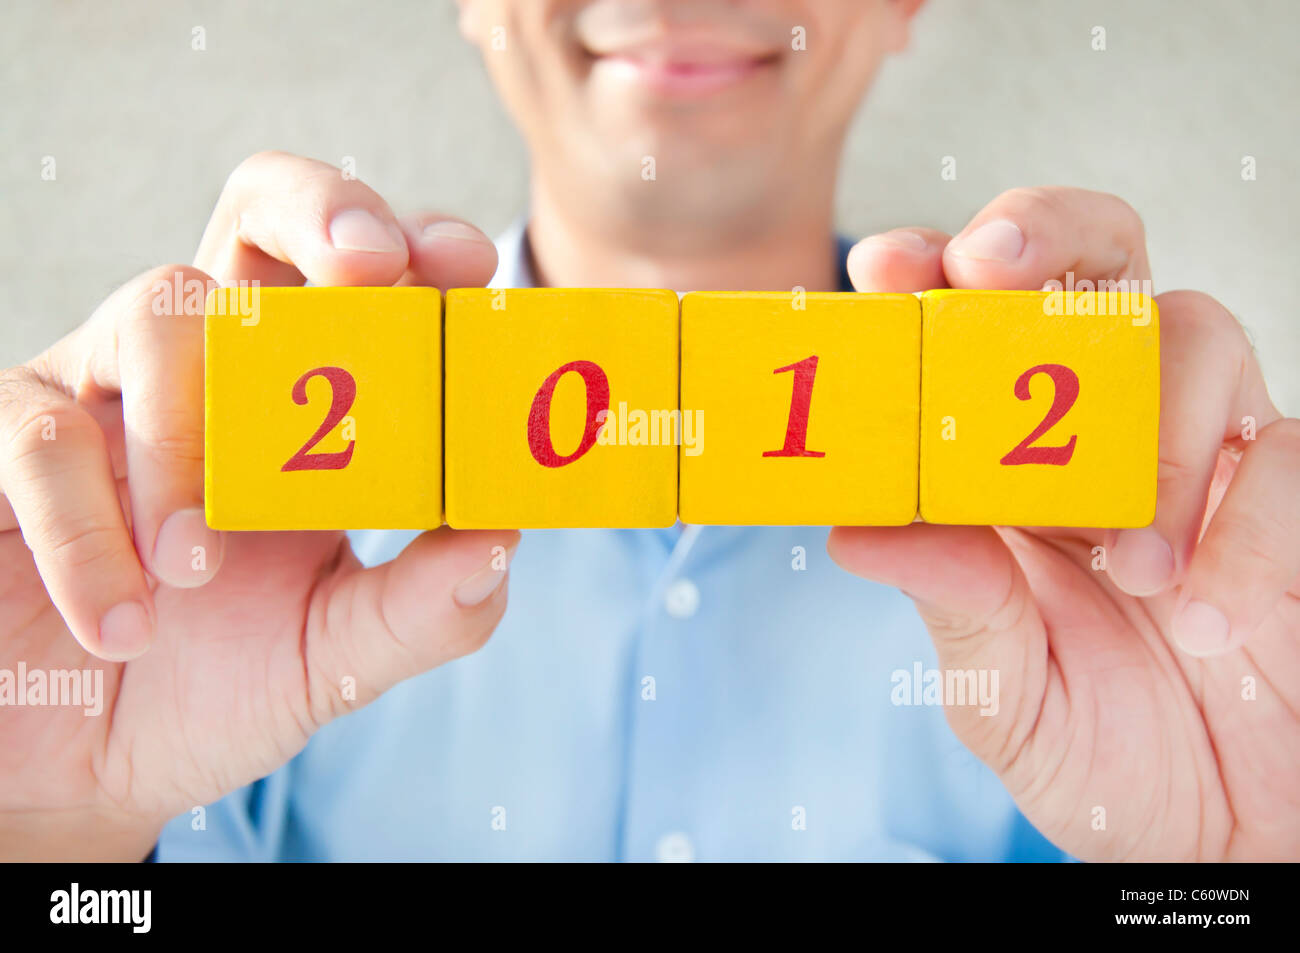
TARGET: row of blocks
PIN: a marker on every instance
(341, 408)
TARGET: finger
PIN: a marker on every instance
(159, 372)
(145, 342)
(56, 474)
(446, 252)
(282, 218)
(109, 418)
(899, 261)
(1209, 381)
(438, 600)
(1250, 554)
(1027, 237)
(979, 610)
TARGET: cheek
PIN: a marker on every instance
(529, 51)
(845, 47)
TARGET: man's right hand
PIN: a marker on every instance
(213, 676)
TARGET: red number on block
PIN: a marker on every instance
(539, 417)
(796, 426)
(1067, 392)
(343, 391)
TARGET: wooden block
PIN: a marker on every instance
(1039, 408)
(323, 408)
(532, 375)
(811, 404)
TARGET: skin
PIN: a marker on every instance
(1114, 693)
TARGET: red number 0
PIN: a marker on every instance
(1067, 392)
(343, 390)
(539, 417)
(796, 425)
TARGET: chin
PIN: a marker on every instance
(684, 137)
(701, 193)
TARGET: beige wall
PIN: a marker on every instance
(144, 131)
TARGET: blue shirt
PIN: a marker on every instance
(706, 693)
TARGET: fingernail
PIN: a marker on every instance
(1141, 562)
(454, 230)
(479, 587)
(1201, 629)
(186, 552)
(125, 631)
(993, 241)
(900, 238)
(358, 230)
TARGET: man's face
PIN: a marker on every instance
(711, 114)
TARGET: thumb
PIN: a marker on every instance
(981, 614)
(440, 599)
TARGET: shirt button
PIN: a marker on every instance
(682, 599)
(675, 848)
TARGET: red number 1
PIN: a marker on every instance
(796, 426)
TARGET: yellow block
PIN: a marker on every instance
(811, 405)
(1039, 408)
(323, 408)
(528, 374)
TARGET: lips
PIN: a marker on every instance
(682, 77)
(684, 65)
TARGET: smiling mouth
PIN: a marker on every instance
(688, 67)
(685, 78)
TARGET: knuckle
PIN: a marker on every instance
(324, 177)
(1130, 219)
(46, 428)
(1283, 435)
(1124, 216)
(267, 184)
(1007, 614)
(322, 187)
(1197, 309)
(164, 292)
(1173, 474)
(249, 167)
(174, 438)
(1034, 201)
(1249, 544)
(308, 173)
(1049, 202)
(71, 544)
(17, 385)
(168, 272)
(247, 186)
(1201, 315)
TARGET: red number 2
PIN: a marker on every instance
(796, 426)
(343, 390)
(1067, 392)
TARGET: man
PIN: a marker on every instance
(677, 694)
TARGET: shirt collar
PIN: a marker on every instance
(515, 260)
